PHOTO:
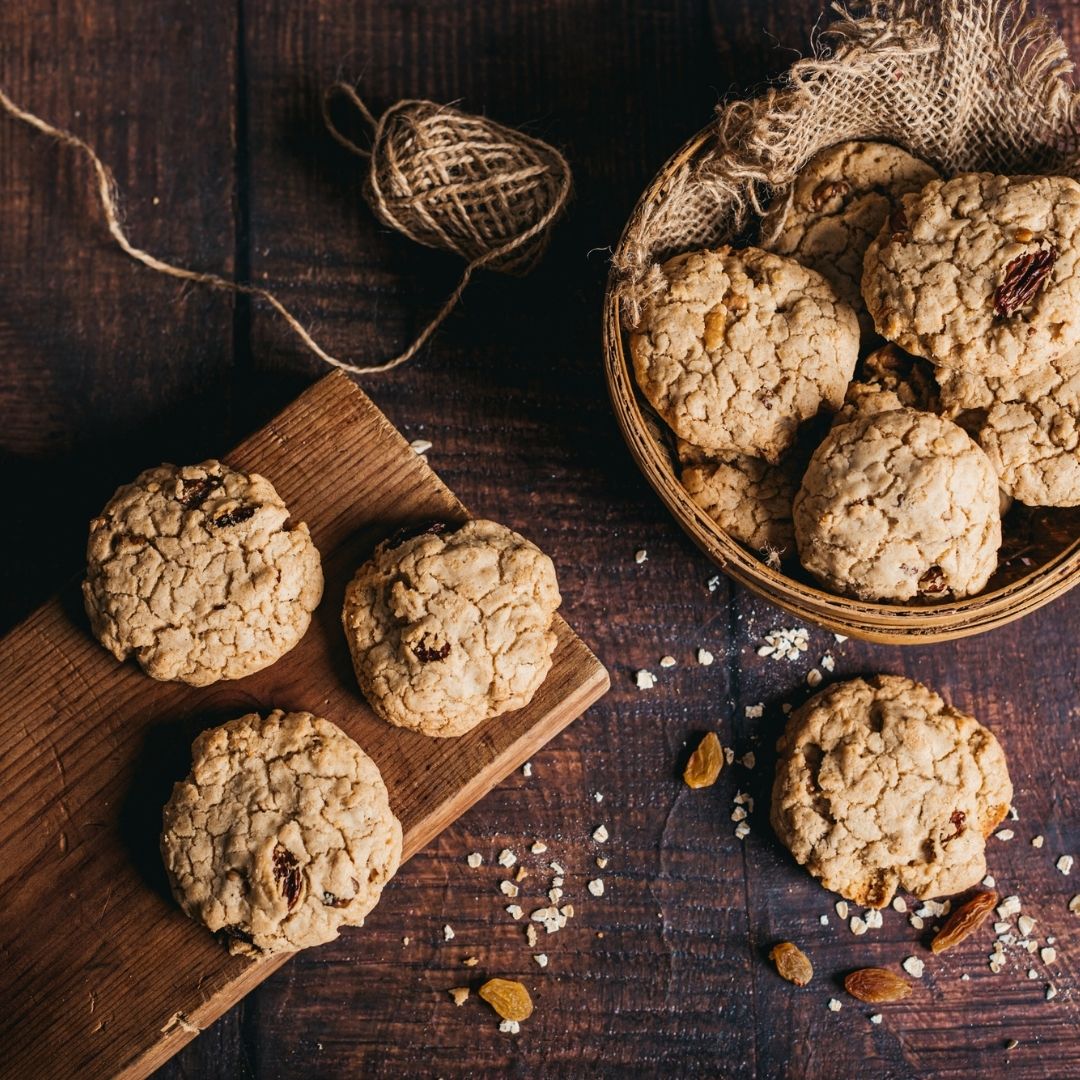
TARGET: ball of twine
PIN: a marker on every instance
(442, 177)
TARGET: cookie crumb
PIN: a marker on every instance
(509, 1027)
(1051, 991)
(645, 680)
(989, 881)
(834, 1005)
(1037, 841)
(823, 919)
(1074, 904)
(526, 769)
(1009, 906)
(459, 994)
(813, 677)
(755, 712)
(471, 961)
(596, 886)
(704, 657)
(840, 638)
(667, 661)
(1065, 864)
(421, 446)
(601, 862)
(538, 848)
(640, 556)
(914, 967)
(1004, 834)
(742, 831)
(541, 959)
(514, 911)
(598, 796)
(714, 583)
(448, 932)
(521, 874)
(1025, 924)
(748, 760)
(507, 858)
(876, 1018)
(600, 835)
(475, 859)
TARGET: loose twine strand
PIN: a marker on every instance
(434, 205)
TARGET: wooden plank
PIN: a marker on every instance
(89, 749)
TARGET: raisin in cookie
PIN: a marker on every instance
(281, 834)
(889, 378)
(1028, 426)
(738, 348)
(199, 572)
(898, 505)
(448, 629)
(980, 273)
(880, 785)
(835, 208)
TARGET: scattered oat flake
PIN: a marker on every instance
(748, 760)
(555, 895)
(526, 769)
(1001, 928)
(858, 925)
(1065, 864)
(541, 959)
(645, 680)
(667, 661)
(834, 1005)
(420, 446)
(1004, 834)
(813, 677)
(514, 911)
(755, 712)
(916, 921)
(1074, 904)
(538, 848)
(1032, 974)
(899, 904)
(521, 874)
(876, 1018)
(1037, 841)
(714, 583)
(874, 919)
(1025, 924)
(729, 755)
(508, 888)
(914, 967)
(530, 935)
(600, 835)
(596, 886)
(704, 657)
(840, 638)
(1009, 906)
(640, 556)
(824, 920)
(738, 814)
(475, 859)
(557, 882)
(1048, 954)
(459, 994)
(471, 961)
(1014, 814)
(989, 881)
(601, 862)
(1051, 992)
(557, 868)
(509, 1027)
(842, 909)
(507, 857)
(404, 941)
(448, 932)
(598, 796)
(742, 831)
(828, 662)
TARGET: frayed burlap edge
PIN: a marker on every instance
(965, 84)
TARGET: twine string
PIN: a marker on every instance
(426, 226)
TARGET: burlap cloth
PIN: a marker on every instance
(964, 84)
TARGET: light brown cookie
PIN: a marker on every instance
(450, 628)
(749, 499)
(898, 505)
(835, 208)
(281, 834)
(880, 785)
(738, 348)
(199, 572)
(980, 273)
(1029, 427)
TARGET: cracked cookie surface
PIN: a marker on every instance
(836, 207)
(980, 273)
(740, 347)
(281, 834)
(198, 573)
(898, 505)
(448, 629)
(1029, 427)
(882, 786)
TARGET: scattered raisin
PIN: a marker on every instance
(876, 985)
(792, 963)
(508, 998)
(426, 653)
(705, 762)
(234, 517)
(965, 920)
(1023, 277)
(287, 874)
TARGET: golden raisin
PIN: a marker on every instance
(965, 920)
(876, 985)
(792, 963)
(508, 998)
(705, 762)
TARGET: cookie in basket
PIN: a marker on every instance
(836, 207)
(882, 786)
(199, 573)
(281, 834)
(1029, 427)
(736, 348)
(449, 628)
(980, 273)
(899, 505)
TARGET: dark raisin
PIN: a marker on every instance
(234, 517)
(288, 875)
(898, 225)
(426, 653)
(933, 583)
(957, 819)
(330, 900)
(194, 492)
(239, 933)
(1023, 277)
(407, 532)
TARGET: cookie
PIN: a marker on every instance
(836, 207)
(749, 499)
(200, 574)
(882, 786)
(980, 273)
(738, 348)
(1028, 426)
(889, 378)
(281, 834)
(450, 628)
(898, 505)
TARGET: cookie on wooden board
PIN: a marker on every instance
(898, 505)
(882, 786)
(281, 834)
(199, 573)
(836, 207)
(449, 628)
(980, 273)
(739, 347)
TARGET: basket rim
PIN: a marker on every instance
(881, 620)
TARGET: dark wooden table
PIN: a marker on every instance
(208, 114)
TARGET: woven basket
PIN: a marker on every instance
(964, 84)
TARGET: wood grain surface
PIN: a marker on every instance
(212, 110)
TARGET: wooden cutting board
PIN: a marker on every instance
(100, 972)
